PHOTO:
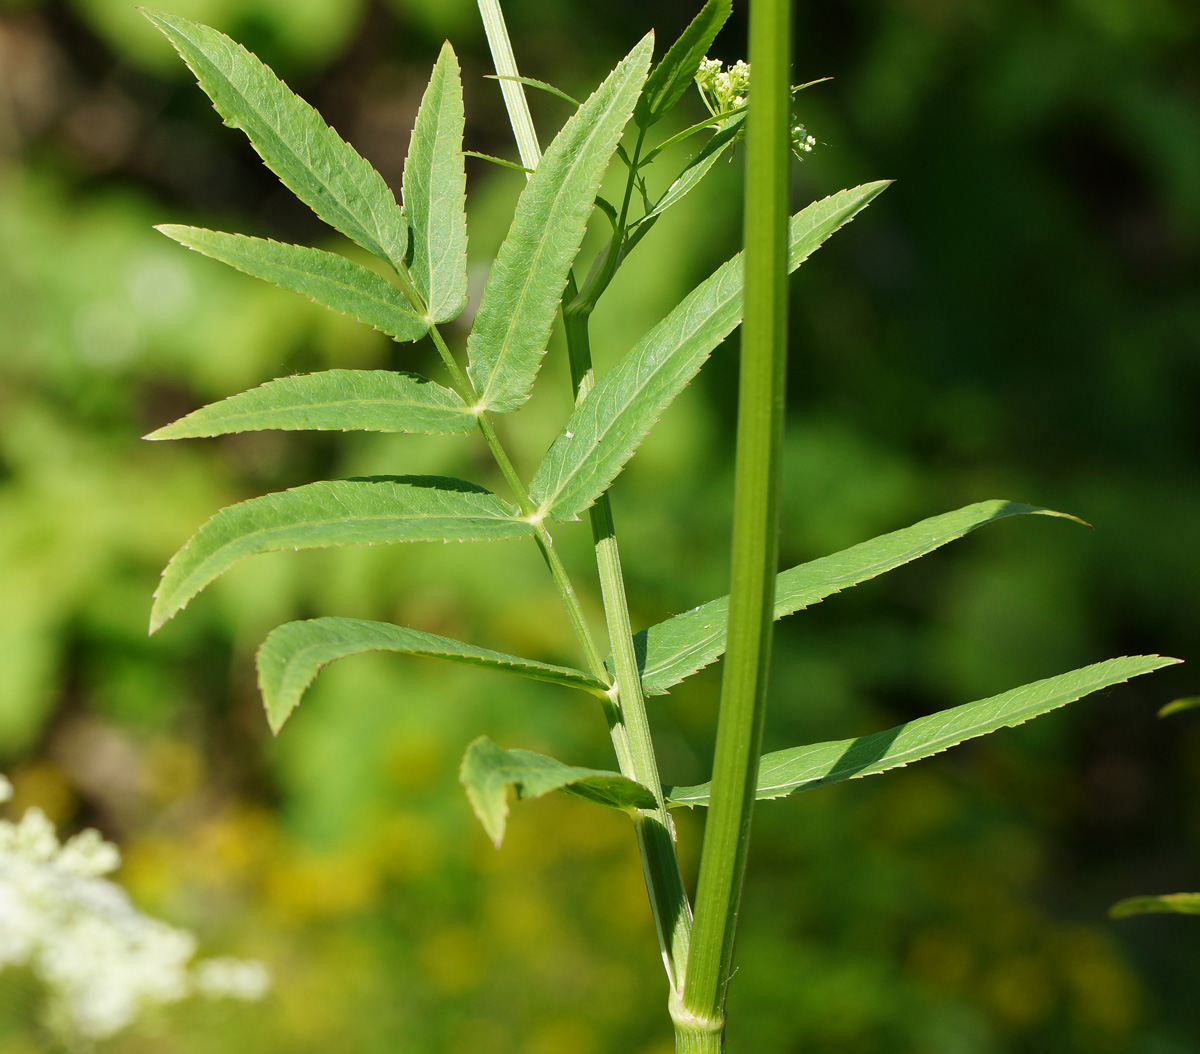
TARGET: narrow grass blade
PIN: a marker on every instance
(498, 161)
(533, 82)
(328, 279)
(372, 400)
(674, 74)
(342, 512)
(512, 325)
(697, 168)
(311, 159)
(784, 772)
(606, 428)
(1168, 903)
(718, 119)
(1179, 705)
(292, 654)
(487, 772)
(680, 646)
(435, 193)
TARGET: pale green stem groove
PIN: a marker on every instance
(756, 520)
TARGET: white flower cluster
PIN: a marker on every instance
(726, 89)
(723, 89)
(802, 142)
(102, 961)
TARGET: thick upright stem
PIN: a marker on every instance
(756, 520)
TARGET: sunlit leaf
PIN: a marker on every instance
(1168, 903)
(605, 429)
(327, 278)
(342, 512)
(487, 772)
(512, 325)
(292, 654)
(675, 73)
(435, 184)
(373, 400)
(311, 159)
(680, 646)
(697, 168)
(784, 772)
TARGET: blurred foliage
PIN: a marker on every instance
(1016, 318)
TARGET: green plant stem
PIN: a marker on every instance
(629, 725)
(542, 536)
(626, 711)
(756, 523)
(514, 92)
(630, 730)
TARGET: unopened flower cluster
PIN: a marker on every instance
(102, 961)
(724, 90)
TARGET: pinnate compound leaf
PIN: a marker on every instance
(308, 156)
(372, 400)
(784, 772)
(435, 193)
(292, 654)
(605, 429)
(488, 771)
(1168, 903)
(680, 646)
(327, 278)
(512, 325)
(675, 73)
(342, 512)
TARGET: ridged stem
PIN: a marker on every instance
(756, 519)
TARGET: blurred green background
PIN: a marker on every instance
(1018, 317)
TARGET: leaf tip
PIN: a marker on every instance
(1177, 705)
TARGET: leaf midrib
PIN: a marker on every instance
(505, 345)
(275, 128)
(337, 403)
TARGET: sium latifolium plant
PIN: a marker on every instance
(422, 242)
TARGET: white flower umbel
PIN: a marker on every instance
(102, 961)
(724, 90)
